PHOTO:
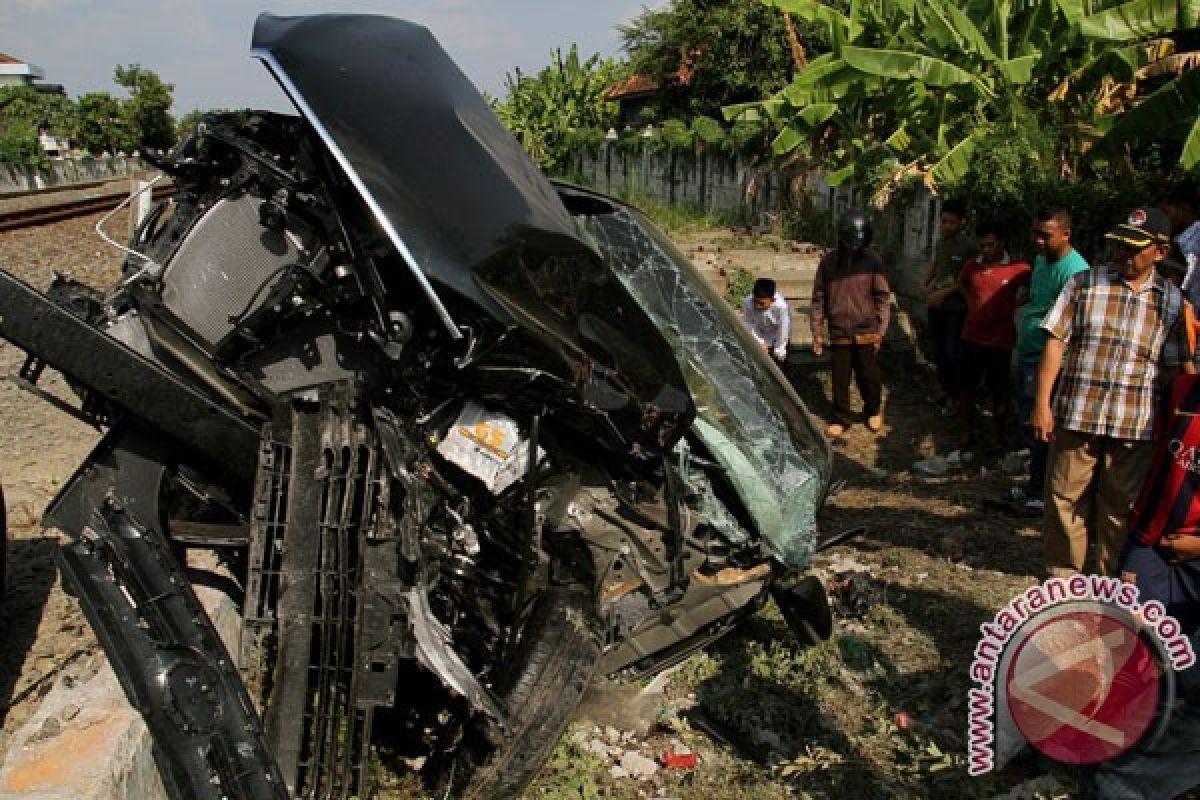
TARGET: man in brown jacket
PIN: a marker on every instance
(851, 295)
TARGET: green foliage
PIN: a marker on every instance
(147, 111)
(96, 122)
(933, 80)
(679, 219)
(748, 137)
(809, 224)
(675, 135)
(734, 51)
(24, 113)
(708, 131)
(547, 110)
(19, 144)
(1008, 173)
(570, 774)
(741, 282)
(100, 125)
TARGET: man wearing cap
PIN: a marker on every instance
(1115, 333)
(766, 315)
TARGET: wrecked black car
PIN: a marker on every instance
(463, 438)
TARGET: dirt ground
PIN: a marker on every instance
(879, 711)
(44, 630)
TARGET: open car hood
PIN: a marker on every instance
(446, 181)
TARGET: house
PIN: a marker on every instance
(15, 72)
(636, 92)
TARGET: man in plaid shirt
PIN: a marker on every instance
(1116, 333)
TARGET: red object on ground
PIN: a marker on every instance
(674, 760)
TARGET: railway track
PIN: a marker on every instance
(55, 212)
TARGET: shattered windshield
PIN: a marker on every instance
(747, 415)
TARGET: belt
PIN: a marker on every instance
(858, 338)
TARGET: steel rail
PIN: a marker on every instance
(56, 212)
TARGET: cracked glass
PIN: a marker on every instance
(747, 415)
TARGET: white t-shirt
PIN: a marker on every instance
(772, 325)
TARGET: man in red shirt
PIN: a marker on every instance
(989, 282)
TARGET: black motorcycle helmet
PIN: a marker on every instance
(854, 230)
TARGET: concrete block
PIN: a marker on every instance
(85, 742)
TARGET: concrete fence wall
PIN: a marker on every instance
(905, 232)
(65, 171)
(715, 182)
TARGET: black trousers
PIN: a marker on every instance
(945, 334)
(857, 360)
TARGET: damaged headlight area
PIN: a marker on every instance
(462, 439)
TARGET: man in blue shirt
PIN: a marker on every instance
(1056, 262)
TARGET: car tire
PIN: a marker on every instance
(546, 679)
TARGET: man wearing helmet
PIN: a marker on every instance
(851, 298)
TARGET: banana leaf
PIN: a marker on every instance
(858, 18)
(838, 177)
(1018, 71)
(899, 64)
(936, 27)
(813, 11)
(1136, 19)
(1159, 115)
(1191, 147)
(900, 140)
(1073, 10)
(954, 165)
(789, 139)
(974, 42)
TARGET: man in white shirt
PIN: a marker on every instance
(766, 315)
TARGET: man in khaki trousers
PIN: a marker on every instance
(1116, 334)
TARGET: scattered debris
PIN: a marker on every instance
(853, 594)
(939, 466)
(636, 765)
(673, 759)
(1016, 462)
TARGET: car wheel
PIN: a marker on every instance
(546, 679)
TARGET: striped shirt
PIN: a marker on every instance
(1117, 341)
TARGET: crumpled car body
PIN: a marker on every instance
(462, 438)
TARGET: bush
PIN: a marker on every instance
(1012, 175)
(748, 138)
(708, 131)
(741, 283)
(674, 135)
(19, 145)
(810, 223)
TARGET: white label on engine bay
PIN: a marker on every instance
(488, 445)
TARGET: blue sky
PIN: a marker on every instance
(202, 46)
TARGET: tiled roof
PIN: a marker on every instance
(7, 59)
(633, 85)
(638, 84)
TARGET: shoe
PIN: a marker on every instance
(875, 423)
(835, 430)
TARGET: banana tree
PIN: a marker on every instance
(1162, 96)
(569, 95)
(925, 78)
